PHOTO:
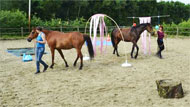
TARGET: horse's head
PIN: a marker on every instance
(33, 35)
(149, 28)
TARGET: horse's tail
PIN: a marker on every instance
(89, 45)
(113, 37)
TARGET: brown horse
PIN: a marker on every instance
(59, 40)
(129, 35)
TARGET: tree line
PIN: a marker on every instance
(119, 10)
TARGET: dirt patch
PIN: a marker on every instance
(102, 82)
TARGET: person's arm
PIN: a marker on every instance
(43, 38)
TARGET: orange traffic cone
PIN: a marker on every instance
(108, 38)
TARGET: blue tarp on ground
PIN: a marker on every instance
(104, 43)
(20, 51)
(98, 43)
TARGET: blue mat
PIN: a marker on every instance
(19, 51)
(104, 43)
(98, 43)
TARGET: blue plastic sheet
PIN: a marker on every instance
(98, 43)
(19, 51)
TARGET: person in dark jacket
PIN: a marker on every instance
(160, 41)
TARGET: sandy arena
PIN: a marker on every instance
(101, 83)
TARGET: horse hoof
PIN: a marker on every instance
(80, 68)
(67, 65)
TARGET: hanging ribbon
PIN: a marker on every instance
(149, 21)
(144, 35)
(101, 28)
(149, 44)
(95, 20)
(106, 34)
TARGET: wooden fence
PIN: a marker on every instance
(25, 31)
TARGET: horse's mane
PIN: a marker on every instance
(143, 24)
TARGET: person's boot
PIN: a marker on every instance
(45, 68)
(161, 56)
(37, 72)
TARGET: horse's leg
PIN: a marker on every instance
(137, 51)
(52, 56)
(76, 60)
(61, 53)
(81, 58)
(117, 51)
(116, 47)
(132, 50)
(114, 50)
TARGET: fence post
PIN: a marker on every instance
(78, 28)
(0, 32)
(177, 31)
(22, 31)
(61, 28)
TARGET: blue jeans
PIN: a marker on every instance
(39, 54)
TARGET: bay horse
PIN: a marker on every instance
(59, 40)
(129, 35)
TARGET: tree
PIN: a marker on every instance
(13, 19)
(119, 10)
